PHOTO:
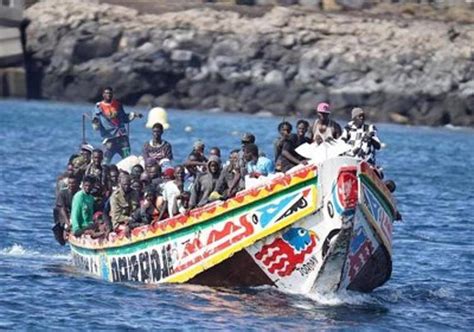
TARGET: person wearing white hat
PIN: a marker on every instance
(362, 136)
(324, 128)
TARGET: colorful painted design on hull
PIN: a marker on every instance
(204, 214)
(288, 252)
(183, 254)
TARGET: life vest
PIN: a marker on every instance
(111, 111)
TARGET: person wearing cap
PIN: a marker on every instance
(81, 161)
(157, 148)
(362, 137)
(324, 129)
(110, 119)
(99, 171)
(173, 190)
(247, 138)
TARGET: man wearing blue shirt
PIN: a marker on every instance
(257, 165)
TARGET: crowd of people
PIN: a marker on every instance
(95, 197)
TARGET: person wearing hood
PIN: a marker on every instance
(206, 183)
(362, 137)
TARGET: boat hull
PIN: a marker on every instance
(314, 229)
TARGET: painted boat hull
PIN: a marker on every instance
(313, 229)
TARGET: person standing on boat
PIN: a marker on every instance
(324, 128)
(157, 148)
(361, 136)
(110, 118)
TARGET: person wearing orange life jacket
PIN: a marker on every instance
(110, 119)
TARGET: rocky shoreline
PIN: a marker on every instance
(411, 72)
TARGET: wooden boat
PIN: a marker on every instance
(319, 227)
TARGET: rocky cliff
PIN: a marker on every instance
(418, 72)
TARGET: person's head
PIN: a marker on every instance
(149, 162)
(145, 179)
(97, 157)
(323, 110)
(86, 152)
(125, 181)
(251, 152)
(136, 185)
(214, 165)
(358, 116)
(192, 168)
(234, 158)
(70, 169)
(149, 194)
(302, 127)
(179, 172)
(137, 171)
(108, 94)
(215, 151)
(113, 173)
(154, 172)
(168, 174)
(72, 183)
(157, 131)
(199, 147)
(88, 184)
(247, 138)
(284, 128)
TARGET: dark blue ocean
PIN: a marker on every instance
(432, 285)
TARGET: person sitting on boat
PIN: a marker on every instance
(173, 190)
(97, 169)
(302, 127)
(83, 160)
(191, 172)
(229, 180)
(123, 203)
(324, 129)
(206, 183)
(63, 179)
(285, 155)
(62, 210)
(257, 165)
(110, 118)
(200, 160)
(362, 137)
(136, 172)
(112, 183)
(82, 209)
(153, 173)
(215, 151)
(149, 210)
(158, 148)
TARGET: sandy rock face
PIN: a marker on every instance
(417, 72)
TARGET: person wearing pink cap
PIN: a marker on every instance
(324, 128)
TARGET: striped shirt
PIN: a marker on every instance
(363, 148)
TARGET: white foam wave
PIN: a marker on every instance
(340, 298)
(17, 250)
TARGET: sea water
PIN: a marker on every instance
(431, 287)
